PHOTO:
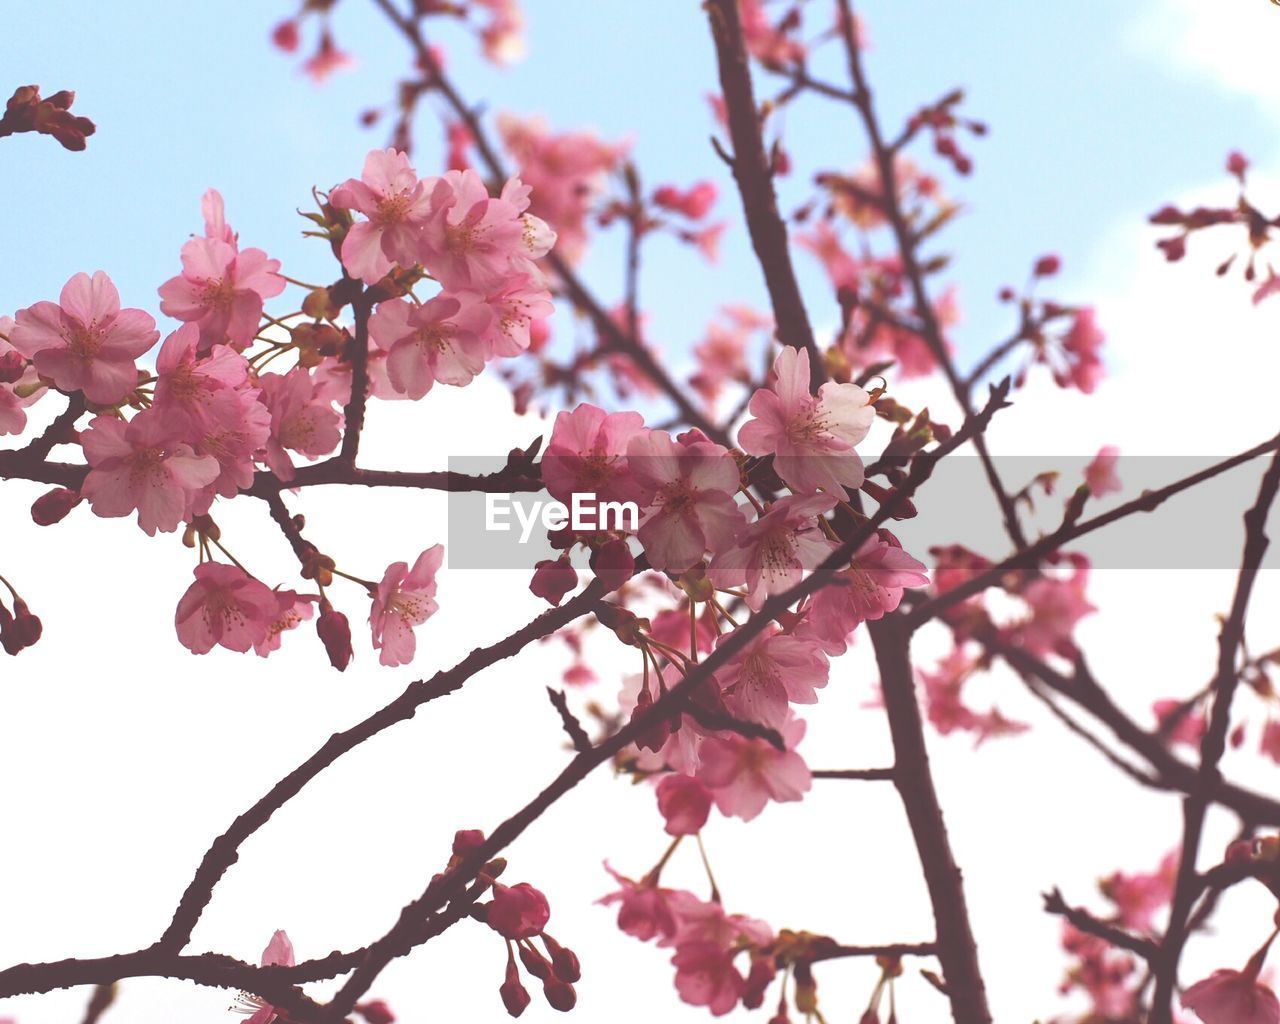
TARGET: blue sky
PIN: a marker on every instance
(1087, 130)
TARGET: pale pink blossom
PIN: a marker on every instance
(279, 953)
(188, 382)
(1140, 896)
(441, 340)
(503, 35)
(240, 425)
(1100, 475)
(85, 341)
(227, 607)
(301, 420)
(772, 670)
(1232, 997)
(292, 609)
(684, 804)
(689, 492)
(396, 204)
(137, 465)
(222, 291)
(645, 911)
(1056, 604)
(404, 599)
(475, 242)
(810, 438)
(745, 774)
(772, 554)
(694, 203)
(871, 587)
(567, 173)
(324, 62)
(587, 454)
(19, 383)
(515, 308)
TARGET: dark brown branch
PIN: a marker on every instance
(1086, 922)
(889, 949)
(855, 774)
(353, 414)
(1212, 746)
(572, 727)
(753, 171)
(1029, 556)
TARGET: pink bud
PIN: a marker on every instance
(1047, 266)
(560, 995)
(285, 35)
(376, 1012)
(335, 633)
(466, 841)
(564, 961)
(613, 564)
(54, 506)
(515, 997)
(1237, 164)
(553, 579)
(518, 911)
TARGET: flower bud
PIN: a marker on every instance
(518, 911)
(376, 1012)
(553, 579)
(564, 961)
(54, 506)
(534, 962)
(559, 994)
(613, 564)
(335, 633)
(1047, 266)
(515, 997)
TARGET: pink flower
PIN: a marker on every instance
(291, 610)
(517, 911)
(1056, 604)
(1100, 475)
(279, 953)
(136, 465)
(405, 598)
(1081, 346)
(396, 204)
(871, 587)
(684, 803)
(85, 341)
(440, 340)
(567, 173)
(326, 60)
(772, 554)
(646, 911)
(1270, 740)
(722, 355)
(225, 606)
(587, 454)
(222, 291)
(301, 420)
(553, 579)
(775, 668)
(1179, 723)
(515, 308)
(695, 204)
(744, 774)
(188, 383)
(689, 489)
(472, 241)
(19, 384)
(811, 439)
(502, 36)
(1139, 896)
(1232, 997)
(705, 976)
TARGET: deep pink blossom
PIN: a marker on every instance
(695, 203)
(396, 205)
(517, 911)
(227, 607)
(404, 599)
(137, 465)
(85, 341)
(552, 579)
(689, 490)
(645, 911)
(1232, 997)
(810, 438)
(441, 340)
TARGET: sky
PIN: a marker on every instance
(138, 753)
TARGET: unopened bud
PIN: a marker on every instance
(564, 961)
(376, 1012)
(335, 633)
(515, 997)
(54, 506)
(560, 995)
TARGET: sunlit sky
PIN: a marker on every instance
(138, 754)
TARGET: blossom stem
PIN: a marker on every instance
(702, 851)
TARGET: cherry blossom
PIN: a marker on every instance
(745, 774)
(301, 420)
(404, 599)
(221, 290)
(684, 803)
(292, 609)
(810, 438)
(1232, 997)
(587, 454)
(136, 465)
(689, 490)
(645, 911)
(19, 383)
(772, 554)
(85, 341)
(279, 953)
(396, 204)
(772, 670)
(1100, 475)
(440, 340)
(226, 607)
